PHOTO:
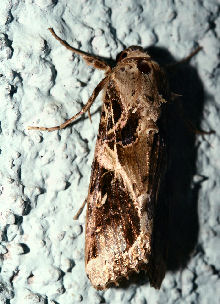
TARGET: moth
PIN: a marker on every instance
(128, 167)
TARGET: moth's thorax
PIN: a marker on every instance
(135, 86)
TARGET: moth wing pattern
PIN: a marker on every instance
(129, 162)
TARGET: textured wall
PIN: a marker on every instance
(44, 177)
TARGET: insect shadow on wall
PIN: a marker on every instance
(184, 118)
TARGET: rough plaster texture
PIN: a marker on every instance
(44, 177)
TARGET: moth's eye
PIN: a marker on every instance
(121, 56)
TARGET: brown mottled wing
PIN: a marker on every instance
(121, 201)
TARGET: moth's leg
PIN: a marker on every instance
(171, 66)
(80, 210)
(195, 130)
(91, 60)
(188, 123)
(84, 110)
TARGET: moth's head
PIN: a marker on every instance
(132, 51)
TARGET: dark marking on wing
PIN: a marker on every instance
(110, 122)
(113, 107)
(102, 128)
(128, 132)
(93, 249)
(111, 144)
(150, 98)
(116, 110)
(99, 172)
(143, 67)
(106, 181)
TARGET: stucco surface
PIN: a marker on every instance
(44, 177)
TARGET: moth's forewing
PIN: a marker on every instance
(127, 169)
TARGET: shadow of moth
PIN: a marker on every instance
(129, 164)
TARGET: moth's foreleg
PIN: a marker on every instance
(91, 60)
(188, 123)
(80, 210)
(171, 67)
(84, 110)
